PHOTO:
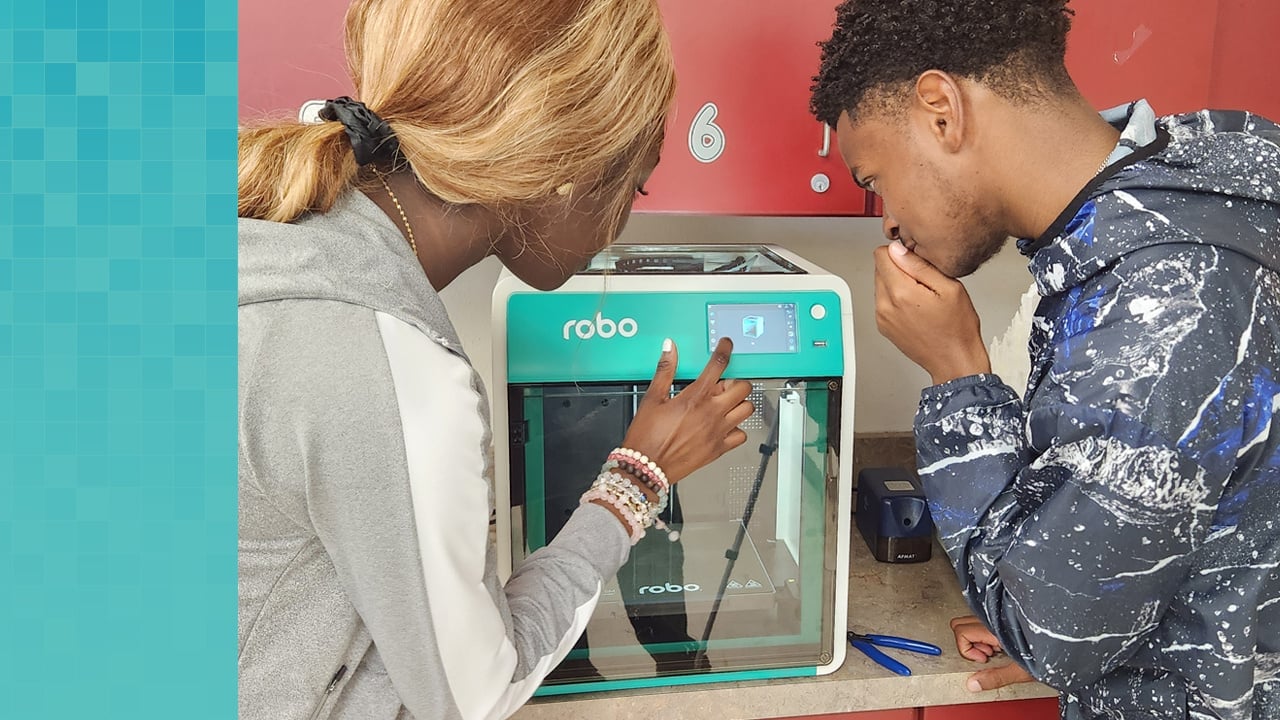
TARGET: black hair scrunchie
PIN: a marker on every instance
(371, 137)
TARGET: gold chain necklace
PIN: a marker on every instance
(1103, 166)
(407, 229)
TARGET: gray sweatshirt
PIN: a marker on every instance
(367, 580)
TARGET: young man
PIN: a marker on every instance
(1117, 528)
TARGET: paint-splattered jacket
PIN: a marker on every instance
(1119, 528)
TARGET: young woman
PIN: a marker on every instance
(515, 128)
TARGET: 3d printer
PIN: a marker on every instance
(752, 582)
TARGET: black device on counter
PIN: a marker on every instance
(893, 516)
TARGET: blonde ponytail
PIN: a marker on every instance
(290, 169)
(493, 102)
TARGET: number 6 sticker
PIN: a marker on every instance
(706, 139)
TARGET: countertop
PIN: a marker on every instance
(914, 600)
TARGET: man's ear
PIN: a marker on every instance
(938, 103)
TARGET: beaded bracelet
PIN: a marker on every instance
(622, 453)
(641, 473)
(652, 482)
(642, 461)
(637, 507)
(630, 502)
(627, 491)
(658, 490)
(623, 486)
(634, 529)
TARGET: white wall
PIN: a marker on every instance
(888, 385)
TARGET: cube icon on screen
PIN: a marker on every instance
(752, 326)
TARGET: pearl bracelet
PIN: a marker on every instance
(641, 460)
(623, 487)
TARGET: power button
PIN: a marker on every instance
(817, 312)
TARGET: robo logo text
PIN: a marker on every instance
(600, 326)
(669, 588)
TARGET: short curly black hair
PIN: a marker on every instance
(1016, 47)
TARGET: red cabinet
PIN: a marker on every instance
(1038, 709)
(1122, 50)
(903, 714)
(741, 139)
(290, 52)
(1181, 55)
(1246, 57)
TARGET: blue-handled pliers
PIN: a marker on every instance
(867, 643)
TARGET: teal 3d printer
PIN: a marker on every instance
(752, 581)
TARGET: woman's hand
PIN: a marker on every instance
(977, 643)
(685, 432)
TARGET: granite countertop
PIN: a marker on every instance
(914, 600)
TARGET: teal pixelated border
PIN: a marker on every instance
(117, 359)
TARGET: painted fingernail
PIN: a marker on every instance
(973, 685)
(666, 345)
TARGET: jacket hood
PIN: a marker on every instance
(1210, 177)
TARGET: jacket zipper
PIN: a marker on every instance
(333, 684)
